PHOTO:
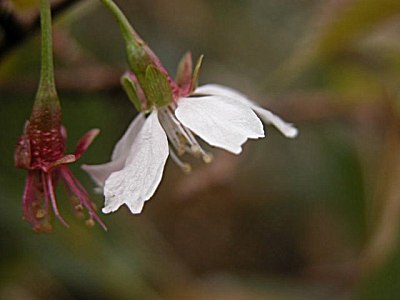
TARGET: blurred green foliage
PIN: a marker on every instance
(312, 218)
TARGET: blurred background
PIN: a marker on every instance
(316, 217)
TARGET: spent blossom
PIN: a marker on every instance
(41, 149)
(172, 114)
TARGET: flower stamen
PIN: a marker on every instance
(186, 168)
(40, 214)
(90, 222)
(172, 130)
(48, 187)
(181, 138)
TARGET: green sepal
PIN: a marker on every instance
(138, 59)
(185, 68)
(157, 88)
(195, 77)
(130, 89)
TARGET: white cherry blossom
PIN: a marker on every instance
(177, 111)
(219, 115)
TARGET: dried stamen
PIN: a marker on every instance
(48, 189)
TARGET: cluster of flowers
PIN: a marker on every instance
(172, 113)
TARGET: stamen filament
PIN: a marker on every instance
(171, 131)
(79, 191)
(48, 185)
(181, 138)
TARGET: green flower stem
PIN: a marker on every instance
(151, 75)
(129, 34)
(138, 53)
(46, 95)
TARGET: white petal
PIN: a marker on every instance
(142, 173)
(216, 89)
(100, 173)
(123, 146)
(220, 121)
(267, 116)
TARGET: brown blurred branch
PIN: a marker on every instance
(15, 32)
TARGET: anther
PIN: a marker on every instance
(185, 167)
(195, 150)
(90, 222)
(181, 149)
(40, 213)
(207, 157)
(78, 207)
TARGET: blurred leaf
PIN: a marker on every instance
(355, 19)
(336, 41)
